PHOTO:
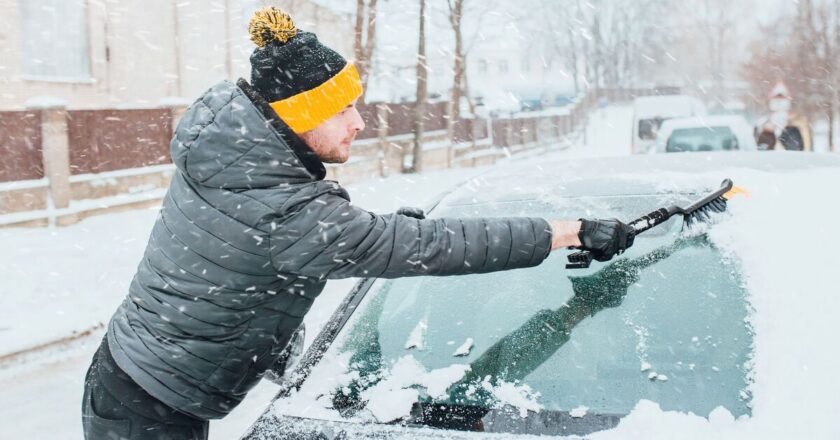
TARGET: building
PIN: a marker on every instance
(509, 75)
(90, 91)
(136, 53)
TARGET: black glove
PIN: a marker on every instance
(411, 212)
(605, 238)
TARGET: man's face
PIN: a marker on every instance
(331, 140)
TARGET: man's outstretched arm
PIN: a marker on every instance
(330, 238)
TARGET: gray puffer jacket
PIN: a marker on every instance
(246, 238)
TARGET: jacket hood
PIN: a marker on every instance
(230, 138)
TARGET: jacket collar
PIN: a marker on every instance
(307, 157)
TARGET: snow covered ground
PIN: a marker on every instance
(63, 280)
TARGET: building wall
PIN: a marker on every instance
(496, 72)
(144, 51)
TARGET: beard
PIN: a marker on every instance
(334, 156)
(328, 150)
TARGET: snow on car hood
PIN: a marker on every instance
(559, 177)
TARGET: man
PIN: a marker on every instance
(249, 232)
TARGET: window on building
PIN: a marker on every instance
(55, 40)
(482, 66)
(503, 66)
(526, 64)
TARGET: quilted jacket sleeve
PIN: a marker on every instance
(328, 237)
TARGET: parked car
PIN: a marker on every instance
(546, 350)
(705, 133)
(649, 112)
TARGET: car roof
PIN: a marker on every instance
(666, 106)
(646, 174)
(705, 121)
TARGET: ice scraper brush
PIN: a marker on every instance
(698, 212)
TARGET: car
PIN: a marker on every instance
(649, 112)
(705, 133)
(668, 329)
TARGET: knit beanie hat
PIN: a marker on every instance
(304, 82)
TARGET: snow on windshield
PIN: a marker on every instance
(794, 297)
(393, 397)
(793, 388)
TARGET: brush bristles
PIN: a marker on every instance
(703, 214)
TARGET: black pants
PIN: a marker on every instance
(114, 407)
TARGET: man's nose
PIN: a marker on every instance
(358, 124)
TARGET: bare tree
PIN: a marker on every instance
(421, 95)
(365, 38)
(477, 13)
(464, 41)
(709, 29)
(803, 51)
(562, 40)
(606, 43)
(824, 27)
(456, 8)
(768, 64)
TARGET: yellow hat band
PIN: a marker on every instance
(309, 109)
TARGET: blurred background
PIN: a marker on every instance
(91, 90)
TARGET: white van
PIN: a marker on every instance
(650, 111)
(705, 133)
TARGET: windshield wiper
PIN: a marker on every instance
(448, 416)
(508, 420)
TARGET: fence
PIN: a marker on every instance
(62, 165)
(20, 145)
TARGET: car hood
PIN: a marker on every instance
(560, 177)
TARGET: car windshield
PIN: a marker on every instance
(574, 349)
(649, 127)
(702, 139)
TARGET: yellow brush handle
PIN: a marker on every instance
(734, 192)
